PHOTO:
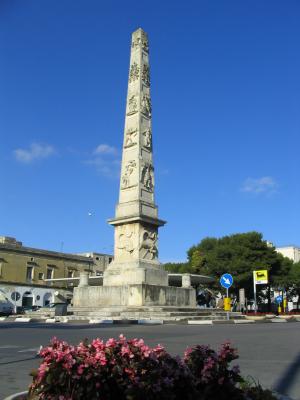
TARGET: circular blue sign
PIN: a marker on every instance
(278, 299)
(226, 281)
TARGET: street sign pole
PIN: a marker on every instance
(254, 291)
(227, 316)
(260, 277)
(226, 281)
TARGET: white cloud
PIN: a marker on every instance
(265, 184)
(105, 149)
(35, 152)
(106, 160)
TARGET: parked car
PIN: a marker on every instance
(51, 305)
(28, 309)
(6, 308)
(20, 310)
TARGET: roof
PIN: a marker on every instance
(43, 253)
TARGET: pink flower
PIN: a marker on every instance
(158, 349)
(111, 342)
(125, 350)
(80, 369)
(122, 338)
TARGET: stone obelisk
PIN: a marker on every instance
(136, 222)
(136, 278)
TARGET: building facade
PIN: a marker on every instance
(24, 272)
(291, 252)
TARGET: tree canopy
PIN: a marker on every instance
(239, 254)
(294, 282)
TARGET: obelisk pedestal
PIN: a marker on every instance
(136, 277)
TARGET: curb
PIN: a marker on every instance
(239, 321)
(101, 321)
(150, 322)
(94, 321)
(279, 321)
(192, 322)
(243, 321)
(23, 319)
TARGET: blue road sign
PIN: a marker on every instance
(226, 281)
(278, 299)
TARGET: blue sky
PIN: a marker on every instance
(225, 94)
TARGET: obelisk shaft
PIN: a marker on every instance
(136, 222)
(137, 174)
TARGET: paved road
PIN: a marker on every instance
(270, 353)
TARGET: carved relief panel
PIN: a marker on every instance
(141, 41)
(134, 72)
(126, 242)
(146, 75)
(147, 139)
(146, 107)
(145, 43)
(149, 243)
(130, 137)
(147, 177)
(132, 106)
(129, 175)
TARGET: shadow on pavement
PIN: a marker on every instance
(289, 377)
(17, 361)
(17, 325)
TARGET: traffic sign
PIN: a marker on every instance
(278, 299)
(226, 281)
(260, 277)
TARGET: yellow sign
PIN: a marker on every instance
(260, 277)
(227, 304)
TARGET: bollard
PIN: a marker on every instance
(186, 280)
(83, 279)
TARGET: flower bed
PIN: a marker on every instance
(129, 369)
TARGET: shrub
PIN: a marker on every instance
(212, 376)
(129, 369)
(117, 369)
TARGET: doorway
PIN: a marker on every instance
(27, 299)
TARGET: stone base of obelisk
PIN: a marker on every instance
(133, 295)
(135, 272)
(135, 283)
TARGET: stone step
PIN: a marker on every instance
(136, 313)
(149, 314)
(148, 309)
(157, 315)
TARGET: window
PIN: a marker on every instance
(110, 260)
(29, 274)
(15, 296)
(50, 273)
(41, 276)
(70, 273)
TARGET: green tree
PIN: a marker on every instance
(240, 255)
(180, 268)
(294, 282)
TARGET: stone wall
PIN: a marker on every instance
(134, 295)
